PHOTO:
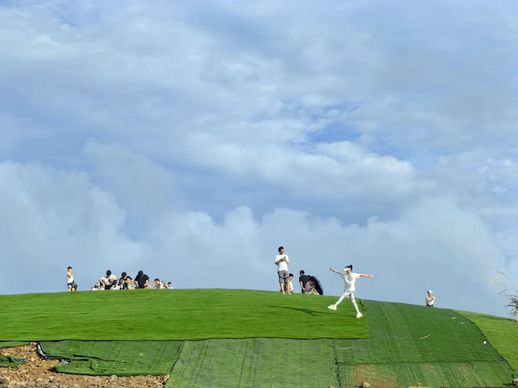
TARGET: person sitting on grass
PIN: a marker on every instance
(109, 281)
(158, 284)
(125, 281)
(303, 280)
(141, 280)
(313, 286)
(169, 285)
(290, 283)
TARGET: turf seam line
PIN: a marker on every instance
(337, 366)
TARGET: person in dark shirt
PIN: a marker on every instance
(125, 281)
(303, 280)
(141, 280)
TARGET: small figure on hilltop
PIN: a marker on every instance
(109, 281)
(282, 261)
(290, 283)
(430, 298)
(71, 284)
(349, 278)
(158, 284)
(313, 286)
(125, 282)
(303, 280)
(141, 280)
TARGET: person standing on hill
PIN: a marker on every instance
(282, 261)
(71, 284)
(349, 278)
(430, 298)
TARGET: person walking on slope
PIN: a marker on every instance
(282, 261)
(349, 287)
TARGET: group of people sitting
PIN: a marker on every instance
(308, 284)
(126, 282)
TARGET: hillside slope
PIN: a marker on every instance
(252, 338)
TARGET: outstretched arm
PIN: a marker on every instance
(362, 275)
(334, 270)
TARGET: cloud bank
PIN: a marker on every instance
(190, 140)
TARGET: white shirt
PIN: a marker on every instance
(70, 276)
(283, 265)
(349, 280)
(110, 280)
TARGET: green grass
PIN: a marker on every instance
(252, 338)
(173, 315)
(501, 333)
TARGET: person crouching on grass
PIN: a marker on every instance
(349, 287)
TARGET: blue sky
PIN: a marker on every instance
(190, 139)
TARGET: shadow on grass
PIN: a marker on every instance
(304, 310)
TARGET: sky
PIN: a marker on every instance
(191, 139)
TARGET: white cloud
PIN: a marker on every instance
(433, 245)
(162, 131)
(52, 219)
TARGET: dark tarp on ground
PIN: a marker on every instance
(122, 358)
(12, 344)
(11, 362)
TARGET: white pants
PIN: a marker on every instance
(350, 294)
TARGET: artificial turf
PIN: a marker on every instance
(501, 333)
(173, 315)
(12, 344)
(407, 345)
(123, 358)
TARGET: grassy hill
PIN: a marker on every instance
(225, 338)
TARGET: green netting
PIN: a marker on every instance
(11, 362)
(12, 344)
(257, 362)
(408, 345)
(406, 333)
(437, 374)
(501, 332)
(122, 358)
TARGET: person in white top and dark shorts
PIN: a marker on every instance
(349, 285)
(282, 261)
(71, 284)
